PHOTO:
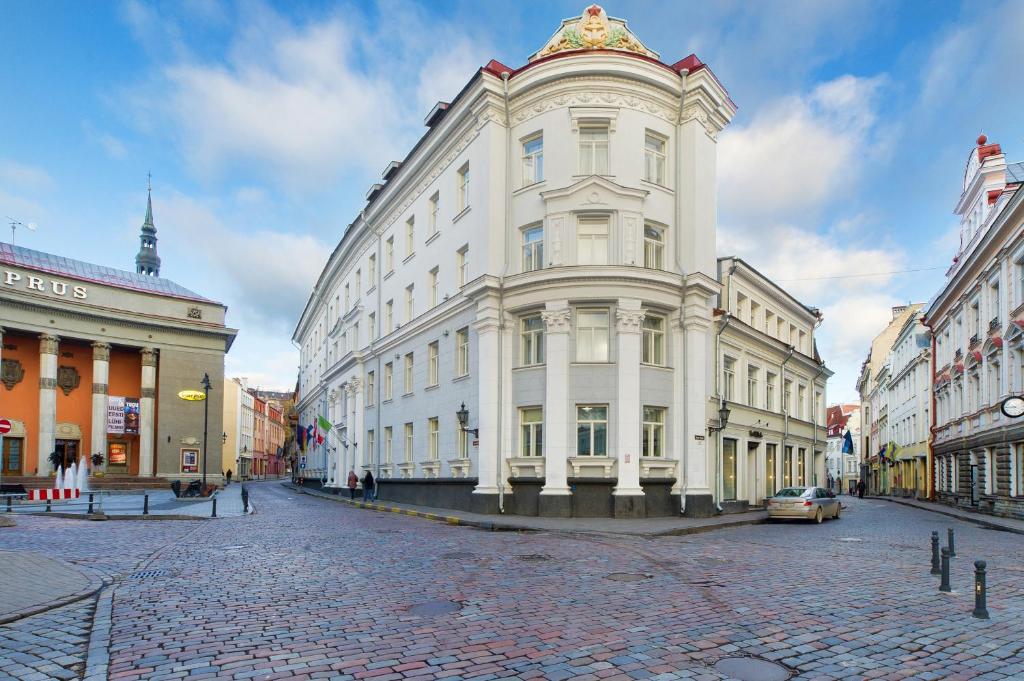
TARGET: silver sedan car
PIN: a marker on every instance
(807, 503)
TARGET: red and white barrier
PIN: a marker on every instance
(52, 494)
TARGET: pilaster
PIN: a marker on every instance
(696, 367)
(48, 345)
(555, 497)
(488, 346)
(100, 381)
(147, 409)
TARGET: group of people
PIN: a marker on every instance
(369, 486)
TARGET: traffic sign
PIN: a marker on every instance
(5, 426)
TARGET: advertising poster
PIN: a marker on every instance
(115, 415)
(131, 415)
(190, 461)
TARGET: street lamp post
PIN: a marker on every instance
(463, 416)
(206, 420)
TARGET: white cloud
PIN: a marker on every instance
(24, 177)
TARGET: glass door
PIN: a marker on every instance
(12, 455)
(117, 458)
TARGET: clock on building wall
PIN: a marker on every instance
(1013, 407)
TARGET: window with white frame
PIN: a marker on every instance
(432, 437)
(432, 208)
(531, 340)
(728, 378)
(592, 335)
(359, 285)
(653, 350)
(432, 363)
(593, 156)
(769, 391)
(372, 271)
(370, 388)
(408, 443)
(531, 429)
(533, 248)
(1018, 269)
(462, 264)
(462, 441)
(462, 352)
(389, 380)
(654, 158)
(801, 402)
(432, 281)
(753, 374)
(372, 319)
(371, 444)
(410, 236)
(654, 247)
(408, 384)
(348, 300)
(653, 443)
(410, 302)
(592, 430)
(463, 187)
(729, 472)
(388, 444)
(389, 316)
(592, 241)
(787, 396)
(533, 159)
(389, 254)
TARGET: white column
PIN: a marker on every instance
(355, 426)
(147, 409)
(675, 414)
(629, 318)
(557, 319)
(47, 400)
(487, 405)
(696, 387)
(100, 381)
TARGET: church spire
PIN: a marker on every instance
(147, 261)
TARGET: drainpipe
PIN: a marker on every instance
(682, 285)
(785, 411)
(726, 318)
(501, 294)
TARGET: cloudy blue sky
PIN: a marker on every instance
(264, 123)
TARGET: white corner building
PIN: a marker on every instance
(545, 255)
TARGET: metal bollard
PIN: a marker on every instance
(9, 504)
(944, 585)
(935, 554)
(980, 604)
(245, 500)
(214, 514)
(48, 509)
(145, 504)
(90, 503)
(949, 533)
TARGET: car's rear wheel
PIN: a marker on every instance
(818, 515)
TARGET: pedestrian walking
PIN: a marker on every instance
(352, 482)
(369, 488)
(860, 489)
(228, 476)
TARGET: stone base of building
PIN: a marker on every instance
(1002, 506)
(629, 506)
(455, 493)
(552, 505)
(700, 506)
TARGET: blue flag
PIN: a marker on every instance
(848, 443)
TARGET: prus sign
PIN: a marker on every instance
(38, 284)
(5, 426)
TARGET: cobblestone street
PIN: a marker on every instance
(307, 588)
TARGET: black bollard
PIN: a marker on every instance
(935, 554)
(90, 503)
(944, 585)
(214, 514)
(949, 534)
(145, 504)
(245, 500)
(48, 509)
(980, 604)
(8, 504)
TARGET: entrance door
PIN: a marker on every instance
(974, 484)
(12, 455)
(753, 488)
(67, 450)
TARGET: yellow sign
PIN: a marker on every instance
(192, 395)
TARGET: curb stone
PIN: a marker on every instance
(96, 583)
(949, 513)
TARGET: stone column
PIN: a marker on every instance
(696, 388)
(555, 497)
(100, 380)
(47, 400)
(485, 496)
(355, 426)
(628, 495)
(147, 408)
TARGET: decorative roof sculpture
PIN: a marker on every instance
(593, 30)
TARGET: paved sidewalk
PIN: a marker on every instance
(31, 582)
(130, 505)
(650, 527)
(983, 519)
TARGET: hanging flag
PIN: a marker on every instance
(300, 438)
(848, 443)
(309, 435)
(322, 425)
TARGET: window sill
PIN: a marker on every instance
(528, 187)
(432, 238)
(662, 367)
(580, 176)
(408, 258)
(523, 367)
(592, 363)
(458, 216)
(389, 275)
(371, 289)
(408, 394)
(460, 378)
(386, 401)
(435, 386)
(658, 185)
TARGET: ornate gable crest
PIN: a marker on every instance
(68, 379)
(594, 30)
(11, 373)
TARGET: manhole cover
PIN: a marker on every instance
(850, 539)
(150, 574)
(435, 608)
(751, 669)
(536, 557)
(627, 577)
(458, 555)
